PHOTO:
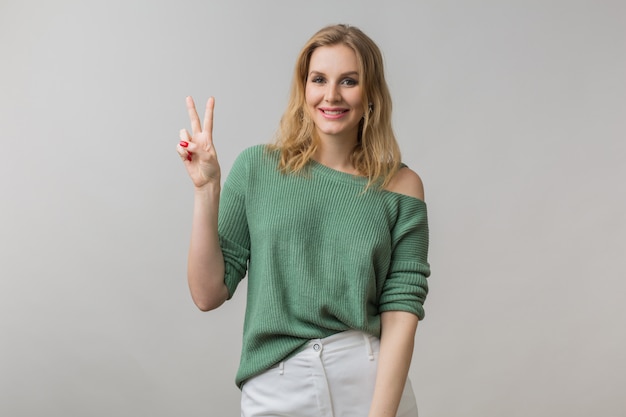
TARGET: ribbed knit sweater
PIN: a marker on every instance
(322, 254)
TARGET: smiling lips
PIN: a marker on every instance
(333, 113)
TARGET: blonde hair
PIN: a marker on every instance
(377, 155)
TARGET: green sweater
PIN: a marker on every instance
(322, 256)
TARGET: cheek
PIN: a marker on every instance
(310, 96)
(309, 102)
(356, 99)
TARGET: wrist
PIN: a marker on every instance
(211, 188)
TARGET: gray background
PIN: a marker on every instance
(513, 112)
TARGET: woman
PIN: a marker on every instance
(331, 229)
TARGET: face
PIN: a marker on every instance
(333, 92)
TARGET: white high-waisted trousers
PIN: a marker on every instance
(331, 377)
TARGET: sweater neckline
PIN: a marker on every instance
(360, 180)
(337, 175)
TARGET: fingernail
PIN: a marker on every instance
(189, 156)
(184, 144)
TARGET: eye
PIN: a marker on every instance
(317, 79)
(350, 82)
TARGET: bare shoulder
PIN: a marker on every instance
(407, 182)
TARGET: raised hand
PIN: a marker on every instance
(196, 149)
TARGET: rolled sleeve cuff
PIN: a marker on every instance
(406, 288)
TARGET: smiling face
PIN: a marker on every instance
(333, 93)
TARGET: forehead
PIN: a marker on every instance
(334, 58)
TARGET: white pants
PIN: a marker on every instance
(331, 377)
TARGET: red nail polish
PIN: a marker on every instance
(189, 156)
(184, 144)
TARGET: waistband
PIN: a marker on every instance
(344, 340)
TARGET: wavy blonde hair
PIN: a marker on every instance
(377, 155)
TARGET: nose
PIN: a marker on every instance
(332, 93)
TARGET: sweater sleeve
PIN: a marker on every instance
(233, 225)
(405, 287)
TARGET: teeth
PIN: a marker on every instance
(334, 112)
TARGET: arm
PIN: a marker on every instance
(398, 327)
(396, 349)
(205, 264)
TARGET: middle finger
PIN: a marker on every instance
(193, 116)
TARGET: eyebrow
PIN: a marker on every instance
(345, 74)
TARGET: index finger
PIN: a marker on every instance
(208, 115)
(193, 116)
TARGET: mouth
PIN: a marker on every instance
(334, 112)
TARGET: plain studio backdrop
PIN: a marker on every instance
(513, 112)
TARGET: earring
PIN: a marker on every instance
(370, 106)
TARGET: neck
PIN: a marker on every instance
(336, 153)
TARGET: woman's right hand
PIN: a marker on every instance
(197, 150)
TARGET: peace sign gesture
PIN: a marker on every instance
(196, 149)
